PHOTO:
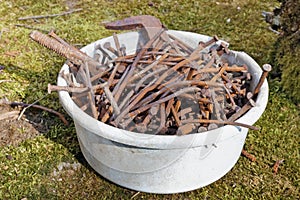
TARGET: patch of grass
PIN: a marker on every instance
(23, 168)
(27, 170)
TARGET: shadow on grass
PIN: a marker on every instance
(45, 123)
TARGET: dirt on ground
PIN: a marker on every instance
(13, 130)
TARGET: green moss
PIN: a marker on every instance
(288, 49)
(288, 59)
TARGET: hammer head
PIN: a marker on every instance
(150, 24)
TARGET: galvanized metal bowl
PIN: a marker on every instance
(158, 163)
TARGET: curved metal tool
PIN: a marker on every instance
(149, 23)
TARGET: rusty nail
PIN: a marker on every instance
(177, 120)
(112, 101)
(91, 95)
(117, 43)
(52, 88)
(266, 69)
(240, 112)
(222, 48)
(248, 155)
(219, 74)
(105, 55)
(276, 165)
(123, 50)
(209, 42)
(108, 46)
(162, 127)
(225, 78)
(208, 121)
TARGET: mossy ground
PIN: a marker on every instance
(287, 53)
(29, 169)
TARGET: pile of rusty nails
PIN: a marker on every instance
(166, 87)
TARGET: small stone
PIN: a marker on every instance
(9, 157)
(67, 165)
(60, 166)
(150, 3)
(76, 166)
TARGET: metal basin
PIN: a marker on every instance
(157, 163)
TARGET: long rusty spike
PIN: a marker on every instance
(66, 51)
